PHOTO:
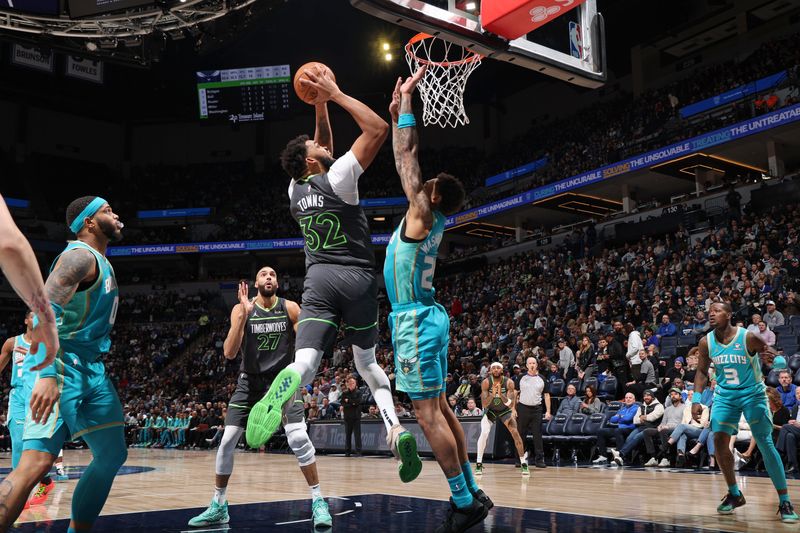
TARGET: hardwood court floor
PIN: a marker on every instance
(185, 479)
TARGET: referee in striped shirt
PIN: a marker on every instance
(529, 408)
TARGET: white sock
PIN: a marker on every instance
(60, 469)
(378, 383)
(316, 492)
(219, 495)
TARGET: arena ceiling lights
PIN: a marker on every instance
(130, 26)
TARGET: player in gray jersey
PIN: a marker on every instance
(262, 331)
(340, 287)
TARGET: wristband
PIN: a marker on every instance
(406, 120)
(49, 371)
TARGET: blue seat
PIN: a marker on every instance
(772, 378)
(687, 340)
(783, 330)
(794, 320)
(796, 379)
(613, 407)
(608, 388)
(555, 428)
(589, 382)
(668, 352)
(558, 388)
(794, 363)
(573, 428)
(668, 341)
(576, 383)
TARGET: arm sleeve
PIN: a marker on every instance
(343, 177)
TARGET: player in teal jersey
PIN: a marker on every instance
(740, 391)
(16, 351)
(420, 326)
(72, 396)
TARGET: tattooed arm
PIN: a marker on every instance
(323, 134)
(405, 143)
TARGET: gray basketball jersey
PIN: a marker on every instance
(335, 232)
(267, 342)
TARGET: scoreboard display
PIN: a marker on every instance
(244, 94)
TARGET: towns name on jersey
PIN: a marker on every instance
(310, 200)
(267, 327)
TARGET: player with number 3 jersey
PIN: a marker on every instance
(740, 391)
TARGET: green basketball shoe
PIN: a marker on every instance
(730, 502)
(404, 447)
(265, 417)
(787, 513)
(320, 513)
(215, 514)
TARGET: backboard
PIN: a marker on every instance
(570, 46)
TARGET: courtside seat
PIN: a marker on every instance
(794, 363)
(555, 428)
(608, 388)
(558, 388)
(577, 384)
(589, 382)
(772, 378)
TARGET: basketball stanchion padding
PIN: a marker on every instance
(442, 87)
(514, 18)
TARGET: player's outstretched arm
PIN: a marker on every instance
(373, 128)
(5, 353)
(239, 314)
(18, 263)
(405, 144)
(322, 133)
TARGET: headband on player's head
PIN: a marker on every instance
(496, 364)
(89, 211)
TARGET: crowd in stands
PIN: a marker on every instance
(602, 133)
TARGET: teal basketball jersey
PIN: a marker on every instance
(89, 316)
(735, 368)
(409, 266)
(18, 356)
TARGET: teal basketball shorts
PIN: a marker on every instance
(88, 403)
(420, 336)
(729, 406)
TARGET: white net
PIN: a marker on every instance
(442, 87)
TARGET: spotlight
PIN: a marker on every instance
(471, 6)
(385, 47)
(387, 57)
(92, 47)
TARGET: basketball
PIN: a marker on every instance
(305, 93)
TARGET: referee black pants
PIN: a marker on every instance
(530, 421)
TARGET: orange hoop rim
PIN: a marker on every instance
(472, 58)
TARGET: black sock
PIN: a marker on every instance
(46, 480)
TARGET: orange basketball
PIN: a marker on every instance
(305, 93)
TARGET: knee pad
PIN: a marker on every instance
(300, 443)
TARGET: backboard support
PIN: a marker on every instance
(537, 51)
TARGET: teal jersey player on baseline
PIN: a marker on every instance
(740, 391)
(72, 395)
(420, 326)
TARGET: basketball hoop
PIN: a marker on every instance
(442, 87)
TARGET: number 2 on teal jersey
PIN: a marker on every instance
(427, 272)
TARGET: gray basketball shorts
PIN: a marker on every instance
(334, 296)
(250, 388)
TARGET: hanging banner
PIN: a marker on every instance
(85, 69)
(35, 58)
